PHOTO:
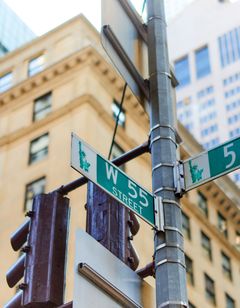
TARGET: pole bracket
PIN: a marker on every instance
(173, 304)
(159, 213)
(168, 260)
(169, 244)
(177, 136)
(162, 137)
(179, 182)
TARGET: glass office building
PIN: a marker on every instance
(13, 31)
(204, 46)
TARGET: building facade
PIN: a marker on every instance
(13, 31)
(63, 82)
(206, 57)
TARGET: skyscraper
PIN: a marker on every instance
(13, 31)
(204, 44)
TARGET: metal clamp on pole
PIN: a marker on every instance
(178, 175)
(162, 137)
(173, 304)
(159, 213)
(178, 261)
(179, 182)
(177, 136)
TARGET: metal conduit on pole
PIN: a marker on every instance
(170, 269)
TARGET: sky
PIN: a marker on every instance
(44, 15)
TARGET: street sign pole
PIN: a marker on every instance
(170, 269)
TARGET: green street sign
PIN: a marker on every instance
(112, 179)
(212, 164)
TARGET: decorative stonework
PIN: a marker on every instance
(86, 55)
(46, 75)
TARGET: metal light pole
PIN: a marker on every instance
(170, 268)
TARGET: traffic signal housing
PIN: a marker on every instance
(112, 224)
(42, 264)
(132, 229)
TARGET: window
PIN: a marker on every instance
(207, 104)
(209, 289)
(116, 152)
(202, 62)
(38, 148)
(231, 79)
(230, 303)
(232, 92)
(42, 106)
(208, 117)
(122, 116)
(182, 71)
(189, 270)
(226, 266)
(222, 224)
(202, 203)
(233, 119)
(186, 226)
(206, 245)
(205, 92)
(233, 105)
(32, 189)
(209, 130)
(212, 143)
(229, 47)
(36, 65)
(5, 82)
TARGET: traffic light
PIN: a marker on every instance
(132, 229)
(112, 225)
(43, 261)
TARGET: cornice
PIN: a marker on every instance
(51, 72)
(61, 112)
(85, 56)
(226, 205)
(75, 21)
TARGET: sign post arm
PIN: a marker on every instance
(170, 270)
(107, 31)
(135, 19)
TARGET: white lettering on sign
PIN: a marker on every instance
(143, 195)
(132, 186)
(231, 153)
(125, 199)
(111, 172)
(134, 194)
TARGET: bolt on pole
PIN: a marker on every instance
(170, 271)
